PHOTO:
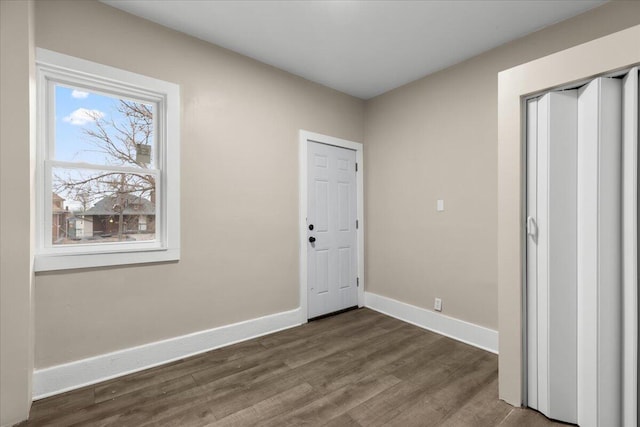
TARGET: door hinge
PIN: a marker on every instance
(357, 282)
(356, 167)
(357, 225)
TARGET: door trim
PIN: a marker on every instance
(304, 138)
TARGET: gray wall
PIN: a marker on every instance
(436, 138)
(239, 188)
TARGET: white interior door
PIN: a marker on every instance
(332, 262)
(581, 225)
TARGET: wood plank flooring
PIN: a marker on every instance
(359, 368)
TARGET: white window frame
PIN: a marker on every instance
(56, 68)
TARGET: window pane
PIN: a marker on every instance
(104, 130)
(93, 206)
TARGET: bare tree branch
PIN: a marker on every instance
(118, 143)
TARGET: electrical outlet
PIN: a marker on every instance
(437, 304)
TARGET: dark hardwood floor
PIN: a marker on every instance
(359, 368)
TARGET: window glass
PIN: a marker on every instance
(101, 206)
(100, 129)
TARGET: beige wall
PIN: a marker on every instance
(436, 138)
(239, 187)
(16, 323)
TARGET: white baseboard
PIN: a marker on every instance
(469, 333)
(69, 376)
(73, 375)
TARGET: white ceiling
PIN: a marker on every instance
(363, 48)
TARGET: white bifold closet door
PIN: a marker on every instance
(581, 225)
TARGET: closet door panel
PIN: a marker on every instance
(562, 255)
(532, 254)
(630, 246)
(556, 255)
(599, 251)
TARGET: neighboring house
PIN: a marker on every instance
(59, 220)
(138, 216)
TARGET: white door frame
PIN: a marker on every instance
(305, 138)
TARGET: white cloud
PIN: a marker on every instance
(82, 116)
(79, 94)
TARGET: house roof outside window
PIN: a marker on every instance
(133, 205)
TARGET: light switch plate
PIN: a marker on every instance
(440, 205)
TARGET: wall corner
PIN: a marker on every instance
(17, 79)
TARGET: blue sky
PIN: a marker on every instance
(72, 106)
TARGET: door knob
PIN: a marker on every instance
(312, 239)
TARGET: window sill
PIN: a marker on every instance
(54, 262)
